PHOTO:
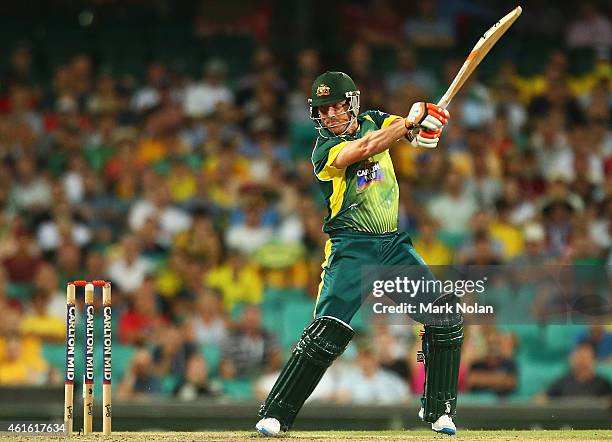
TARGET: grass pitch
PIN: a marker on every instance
(324, 436)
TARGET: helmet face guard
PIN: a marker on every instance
(352, 97)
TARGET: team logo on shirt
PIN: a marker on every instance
(368, 174)
(323, 90)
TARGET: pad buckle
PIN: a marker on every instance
(420, 356)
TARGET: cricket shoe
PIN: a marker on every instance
(268, 426)
(444, 424)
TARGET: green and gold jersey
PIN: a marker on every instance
(363, 196)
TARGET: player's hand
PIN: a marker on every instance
(424, 138)
(425, 123)
(427, 116)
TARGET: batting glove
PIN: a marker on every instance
(424, 123)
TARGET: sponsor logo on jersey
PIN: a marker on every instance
(368, 174)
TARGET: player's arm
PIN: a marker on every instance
(426, 119)
(369, 145)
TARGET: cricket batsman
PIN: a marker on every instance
(354, 170)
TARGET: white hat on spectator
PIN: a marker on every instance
(533, 232)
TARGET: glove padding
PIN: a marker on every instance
(424, 123)
(427, 116)
(424, 138)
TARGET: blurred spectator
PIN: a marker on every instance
(181, 180)
(195, 382)
(21, 357)
(432, 250)
(511, 114)
(581, 380)
(105, 99)
(520, 194)
(251, 234)
(390, 351)
(31, 191)
(505, 232)
(428, 28)
(170, 277)
(408, 72)
(377, 23)
(62, 227)
(68, 263)
(128, 269)
(201, 241)
(297, 112)
(454, 207)
(558, 223)
(202, 98)
(600, 339)
(10, 306)
(22, 362)
(368, 383)
(138, 323)
(170, 355)
(148, 96)
(481, 251)
(156, 204)
(208, 323)
(496, 371)
(40, 323)
(359, 64)
(590, 29)
(20, 67)
(21, 98)
(249, 350)
(263, 75)
(139, 380)
(148, 238)
(534, 253)
(237, 280)
(47, 285)
(22, 258)
(482, 183)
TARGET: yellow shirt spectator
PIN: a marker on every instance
(434, 252)
(238, 284)
(21, 361)
(181, 183)
(431, 249)
(46, 327)
(41, 324)
(509, 236)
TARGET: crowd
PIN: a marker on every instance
(195, 197)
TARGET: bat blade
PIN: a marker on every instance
(480, 50)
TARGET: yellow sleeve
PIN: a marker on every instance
(325, 171)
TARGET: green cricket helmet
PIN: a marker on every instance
(329, 88)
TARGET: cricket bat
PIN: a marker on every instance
(480, 50)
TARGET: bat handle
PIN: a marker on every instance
(443, 103)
